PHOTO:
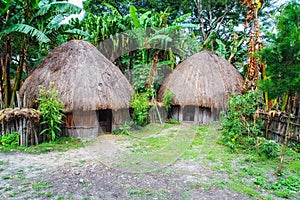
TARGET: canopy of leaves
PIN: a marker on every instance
(282, 55)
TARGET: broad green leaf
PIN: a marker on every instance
(181, 18)
(55, 23)
(29, 30)
(59, 7)
(134, 16)
(113, 9)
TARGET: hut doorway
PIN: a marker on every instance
(188, 113)
(105, 120)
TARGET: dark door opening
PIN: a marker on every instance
(188, 113)
(105, 120)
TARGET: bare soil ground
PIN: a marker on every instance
(96, 172)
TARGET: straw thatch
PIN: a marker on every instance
(13, 113)
(204, 80)
(85, 79)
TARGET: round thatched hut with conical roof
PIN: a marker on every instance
(95, 93)
(201, 86)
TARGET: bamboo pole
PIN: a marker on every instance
(35, 135)
(32, 136)
(25, 132)
(24, 100)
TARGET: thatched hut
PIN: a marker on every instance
(96, 95)
(201, 86)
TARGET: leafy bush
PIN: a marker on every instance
(140, 105)
(267, 148)
(10, 139)
(240, 128)
(123, 130)
(51, 108)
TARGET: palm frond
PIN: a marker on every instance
(54, 24)
(28, 30)
(59, 7)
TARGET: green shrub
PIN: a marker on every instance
(10, 139)
(140, 104)
(51, 108)
(240, 129)
(124, 129)
(267, 148)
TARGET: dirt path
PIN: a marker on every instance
(96, 172)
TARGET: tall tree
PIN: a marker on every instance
(282, 56)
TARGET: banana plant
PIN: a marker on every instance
(28, 28)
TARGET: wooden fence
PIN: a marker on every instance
(25, 121)
(276, 125)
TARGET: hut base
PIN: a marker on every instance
(90, 124)
(194, 114)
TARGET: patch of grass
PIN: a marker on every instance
(60, 144)
(203, 129)
(249, 174)
(6, 177)
(143, 192)
(49, 194)
(69, 197)
(14, 193)
(8, 188)
(59, 197)
(150, 129)
(186, 195)
(155, 147)
(40, 185)
(173, 121)
(283, 193)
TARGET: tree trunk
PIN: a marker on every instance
(6, 73)
(21, 66)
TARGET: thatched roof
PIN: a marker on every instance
(203, 79)
(84, 78)
(8, 114)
